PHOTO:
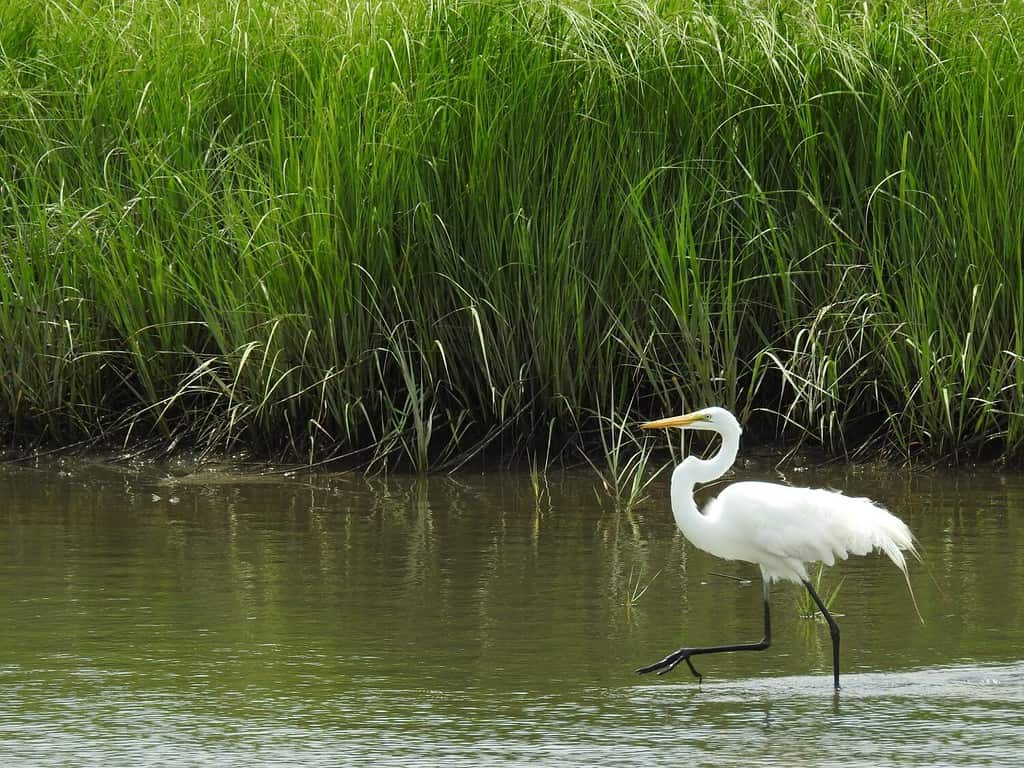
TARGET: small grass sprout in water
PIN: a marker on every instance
(624, 474)
(636, 588)
(805, 605)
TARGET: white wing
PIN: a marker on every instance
(781, 528)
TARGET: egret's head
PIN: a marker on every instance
(714, 419)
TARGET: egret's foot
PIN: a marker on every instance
(670, 662)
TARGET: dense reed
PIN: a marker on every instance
(411, 230)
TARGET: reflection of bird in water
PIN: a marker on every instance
(777, 527)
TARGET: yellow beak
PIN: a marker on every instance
(673, 421)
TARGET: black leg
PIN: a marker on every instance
(683, 654)
(833, 628)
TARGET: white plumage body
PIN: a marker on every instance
(781, 528)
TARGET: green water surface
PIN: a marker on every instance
(178, 617)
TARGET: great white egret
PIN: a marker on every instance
(777, 527)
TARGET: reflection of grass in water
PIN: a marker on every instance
(805, 604)
(626, 556)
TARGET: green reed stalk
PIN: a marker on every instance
(416, 232)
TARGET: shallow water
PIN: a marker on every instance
(165, 617)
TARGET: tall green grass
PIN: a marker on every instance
(416, 232)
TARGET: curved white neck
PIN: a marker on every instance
(692, 471)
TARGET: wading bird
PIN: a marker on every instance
(777, 527)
